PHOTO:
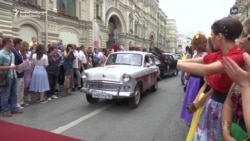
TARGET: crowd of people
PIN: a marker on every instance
(217, 74)
(36, 72)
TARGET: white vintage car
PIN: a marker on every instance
(125, 75)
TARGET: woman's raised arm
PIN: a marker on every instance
(201, 69)
(194, 60)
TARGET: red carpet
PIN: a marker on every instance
(14, 132)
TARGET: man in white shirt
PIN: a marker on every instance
(83, 58)
(97, 58)
(76, 67)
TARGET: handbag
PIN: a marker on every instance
(238, 133)
(4, 76)
(238, 129)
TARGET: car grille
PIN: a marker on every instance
(104, 86)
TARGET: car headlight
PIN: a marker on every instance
(84, 76)
(126, 78)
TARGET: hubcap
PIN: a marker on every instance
(137, 96)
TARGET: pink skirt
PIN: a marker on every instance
(27, 78)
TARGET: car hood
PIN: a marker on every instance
(112, 72)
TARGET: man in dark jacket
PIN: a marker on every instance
(20, 82)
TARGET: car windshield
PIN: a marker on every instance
(124, 59)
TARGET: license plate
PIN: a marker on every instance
(102, 95)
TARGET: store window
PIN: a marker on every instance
(67, 7)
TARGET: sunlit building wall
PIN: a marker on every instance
(96, 23)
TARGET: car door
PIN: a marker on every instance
(147, 72)
(167, 64)
(161, 65)
(155, 69)
(171, 60)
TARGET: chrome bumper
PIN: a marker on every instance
(115, 94)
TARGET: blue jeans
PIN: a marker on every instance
(182, 77)
(9, 93)
(77, 75)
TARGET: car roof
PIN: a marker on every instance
(133, 52)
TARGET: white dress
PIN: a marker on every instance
(39, 80)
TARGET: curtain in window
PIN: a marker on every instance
(143, 31)
(136, 28)
(64, 6)
(72, 7)
(67, 7)
(33, 2)
(131, 24)
(97, 10)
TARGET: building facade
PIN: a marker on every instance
(172, 35)
(240, 9)
(182, 42)
(162, 29)
(96, 23)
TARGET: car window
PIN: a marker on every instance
(177, 56)
(151, 60)
(157, 61)
(124, 59)
(167, 57)
(171, 57)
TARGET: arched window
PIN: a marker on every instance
(24, 29)
(67, 7)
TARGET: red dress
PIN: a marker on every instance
(221, 82)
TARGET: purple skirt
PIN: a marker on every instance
(192, 89)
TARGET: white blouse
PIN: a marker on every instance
(42, 62)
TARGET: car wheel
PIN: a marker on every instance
(135, 101)
(175, 73)
(91, 100)
(155, 86)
